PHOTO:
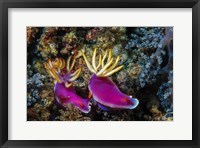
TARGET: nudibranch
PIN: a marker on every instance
(102, 88)
(64, 91)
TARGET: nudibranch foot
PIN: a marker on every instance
(105, 108)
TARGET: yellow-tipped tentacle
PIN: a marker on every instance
(56, 63)
(105, 67)
(114, 71)
(73, 63)
(68, 63)
(99, 62)
(56, 75)
(93, 59)
(88, 64)
(63, 63)
(78, 54)
(59, 63)
(67, 85)
(52, 71)
(48, 70)
(75, 73)
(112, 66)
(104, 57)
(49, 63)
(76, 76)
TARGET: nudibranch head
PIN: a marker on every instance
(102, 88)
(64, 90)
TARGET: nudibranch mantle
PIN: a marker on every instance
(102, 88)
(64, 91)
(108, 94)
(66, 96)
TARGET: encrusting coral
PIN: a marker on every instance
(34, 84)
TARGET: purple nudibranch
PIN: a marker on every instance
(64, 91)
(102, 88)
(107, 94)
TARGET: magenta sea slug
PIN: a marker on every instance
(64, 91)
(102, 88)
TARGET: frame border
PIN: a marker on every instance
(6, 4)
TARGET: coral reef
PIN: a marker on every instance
(147, 38)
(71, 42)
(151, 47)
(146, 54)
(149, 72)
(31, 34)
(107, 38)
(34, 85)
(164, 93)
(71, 114)
(50, 41)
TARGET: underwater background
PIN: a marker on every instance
(146, 72)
